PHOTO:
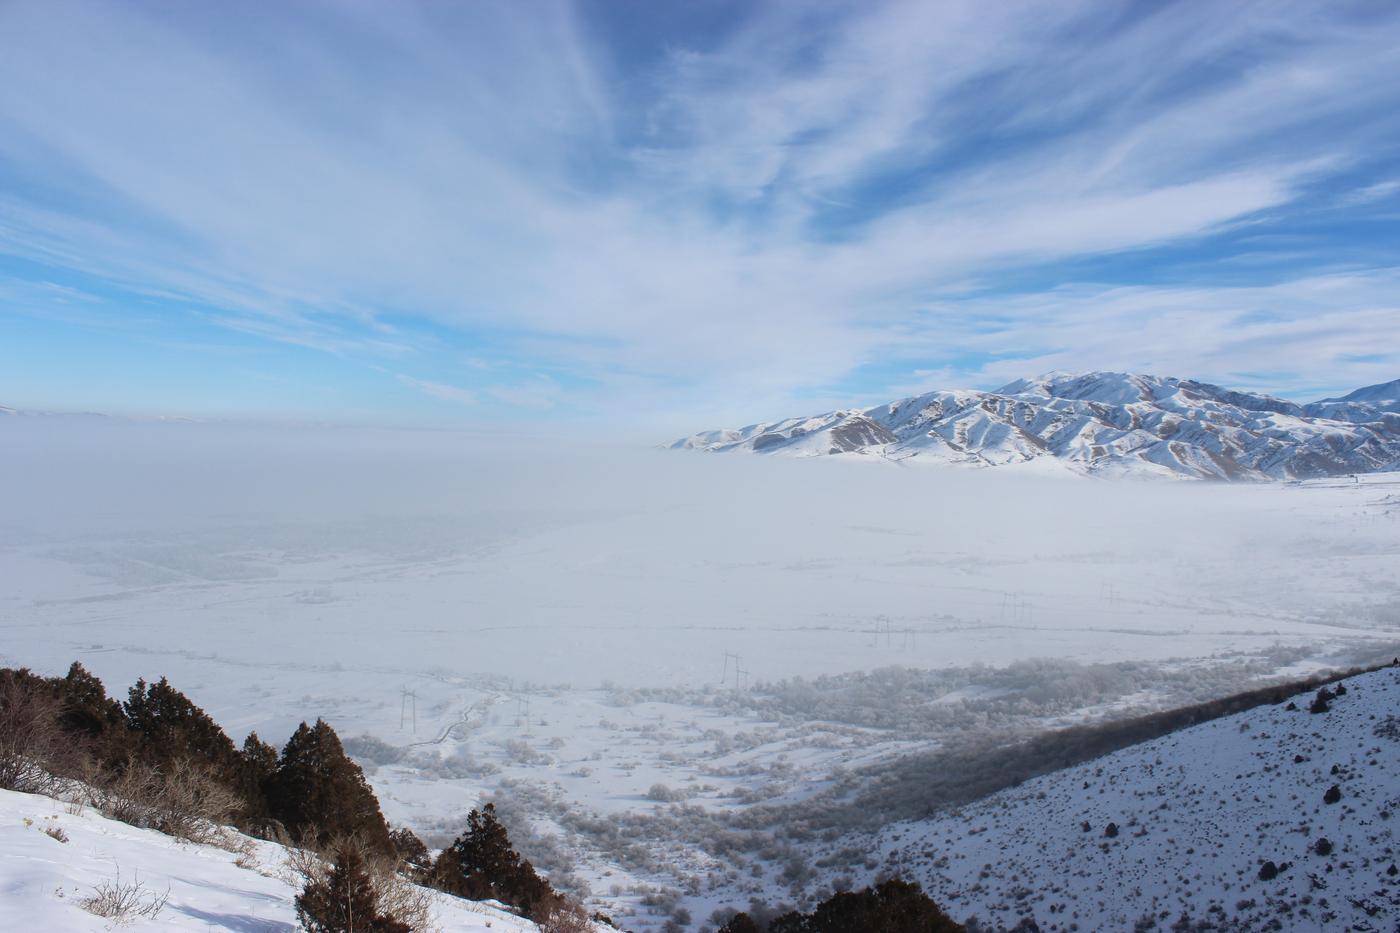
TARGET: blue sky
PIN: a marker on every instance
(670, 216)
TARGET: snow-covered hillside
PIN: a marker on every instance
(1103, 423)
(1199, 814)
(52, 859)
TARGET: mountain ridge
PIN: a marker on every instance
(1102, 423)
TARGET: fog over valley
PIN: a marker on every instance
(573, 630)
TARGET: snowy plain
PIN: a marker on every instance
(610, 643)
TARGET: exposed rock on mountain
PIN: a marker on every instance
(1113, 423)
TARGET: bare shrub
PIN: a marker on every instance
(56, 832)
(121, 901)
(245, 850)
(183, 800)
(400, 899)
(301, 864)
(192, 804)
(30, 738)
(566, 917)
(127, 797)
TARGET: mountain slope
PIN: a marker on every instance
(1103, 423)
(1197, 815)
(52, 858)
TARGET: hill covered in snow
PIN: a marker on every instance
(1276, 818)
(56, 857)
(1100, 422)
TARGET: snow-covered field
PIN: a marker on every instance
(603, 641)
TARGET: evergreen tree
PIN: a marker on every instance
(168, 726)
(740, 923)
(259, 759)
(257, 764)
(87, 710)
(411, 850)
(344, 902)
(317, 791)
(481, 865)
(891, 907)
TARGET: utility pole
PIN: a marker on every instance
(408, 705)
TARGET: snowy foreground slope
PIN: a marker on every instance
(1098, 422)
(1198, 814)
(43, 880)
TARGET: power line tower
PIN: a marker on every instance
(884, 627)
(1014, 609)
(729, 656)
(408, 706)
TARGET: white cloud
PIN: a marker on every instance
(1377, 192)
(473, 166)
(439, 390)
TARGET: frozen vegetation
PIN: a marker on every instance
(685, 682)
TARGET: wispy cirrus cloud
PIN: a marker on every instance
(439, 390)
(730, 218)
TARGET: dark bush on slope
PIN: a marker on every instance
(319, 794)
(481, 865)
(165, 727)
(344, 901)
(412, 852)
(87, 714)
(741, 923)
(890, 907)
(158, 761)
(30, 735)
(257, 765)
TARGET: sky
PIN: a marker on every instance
(662, 217)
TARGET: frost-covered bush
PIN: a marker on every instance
(370, 748)
(664, 794)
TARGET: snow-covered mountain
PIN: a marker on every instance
(1102, 422)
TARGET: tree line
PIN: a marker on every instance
(158, 760)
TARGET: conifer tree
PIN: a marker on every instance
(87, 711)
(481, 865)
(411, 850)
(257, 765)
(344, 901)
(891, 907)
(317, 791)
(169, 726)
(740, 923)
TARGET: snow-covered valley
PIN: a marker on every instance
(681, 686)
